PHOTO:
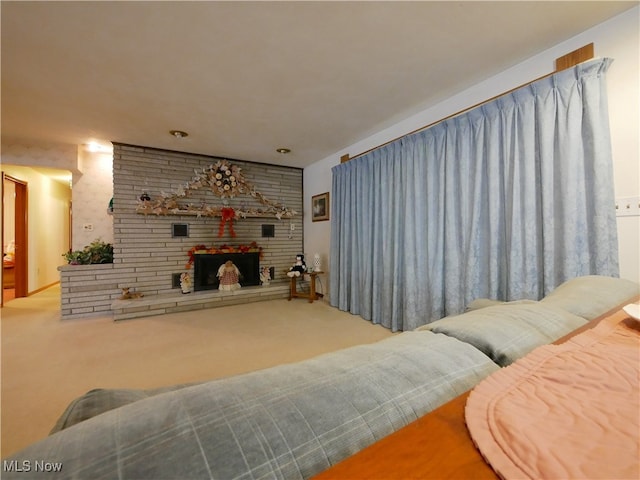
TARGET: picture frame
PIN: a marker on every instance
(320, 207)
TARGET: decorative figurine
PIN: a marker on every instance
(265, 275)
(185, 282)
(298, 268)
(229, 276)
(127, 294)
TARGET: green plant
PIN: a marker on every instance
(96, 252)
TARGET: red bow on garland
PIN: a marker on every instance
(227, 214)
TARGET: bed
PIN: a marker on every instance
(299, 420)
(461, 437)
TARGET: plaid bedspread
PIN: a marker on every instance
(291, 421)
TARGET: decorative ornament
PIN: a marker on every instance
(316, 263)
(227, 214)
(185, 282)
(265, 275)
(229, 276)
(224, 181)
(298, 268)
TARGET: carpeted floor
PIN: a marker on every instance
(47, 362)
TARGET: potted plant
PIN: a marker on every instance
(96, 252)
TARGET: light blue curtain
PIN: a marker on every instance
(505, 201)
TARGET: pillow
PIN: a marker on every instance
(507, 332)
(591, 296)
(102, 400)
(479, 303)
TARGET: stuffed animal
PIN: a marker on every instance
(265, 275)
(127, 295)
(298, 268)
(229, 276)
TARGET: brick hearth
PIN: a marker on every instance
(178, 302)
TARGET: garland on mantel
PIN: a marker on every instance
(224, 181)
(197, 249)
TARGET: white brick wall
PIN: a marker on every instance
(87, 289)
(145, 253)
(143, 243)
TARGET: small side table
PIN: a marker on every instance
(293, 292)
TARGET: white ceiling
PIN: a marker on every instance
(244, 78)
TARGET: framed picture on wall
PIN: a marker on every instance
(320, 207)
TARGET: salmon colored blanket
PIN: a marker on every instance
(565, 411)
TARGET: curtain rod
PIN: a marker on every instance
(569, 60)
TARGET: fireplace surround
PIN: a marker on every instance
(207, 265)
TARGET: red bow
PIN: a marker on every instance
(227, 214)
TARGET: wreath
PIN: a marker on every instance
(226, 180)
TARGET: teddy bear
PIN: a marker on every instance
(298, 268)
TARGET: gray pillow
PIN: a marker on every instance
(591, 296)
(101, 400)
(507, 332)
(479, 303)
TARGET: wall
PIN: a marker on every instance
(48, 224)
(617, 38)
(317, 235)
(92, 191)
(92, 181)
(45, 247)
(86, 290)
(50, 155)
(146, 255)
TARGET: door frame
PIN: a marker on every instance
(22, 235)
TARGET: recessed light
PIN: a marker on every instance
(97, 147)
(178, 133)
(283, 151)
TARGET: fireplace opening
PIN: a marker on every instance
(207, 264)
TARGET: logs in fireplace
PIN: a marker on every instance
(207, 265)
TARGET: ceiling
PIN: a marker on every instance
(245, 78)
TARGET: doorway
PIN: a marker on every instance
(14, 239)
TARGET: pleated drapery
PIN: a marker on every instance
(505, 201)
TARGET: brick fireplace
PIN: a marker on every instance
(146, 254)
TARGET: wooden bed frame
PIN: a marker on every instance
(437, 445)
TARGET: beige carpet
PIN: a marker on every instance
(47, 362)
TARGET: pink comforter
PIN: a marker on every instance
(565, 411)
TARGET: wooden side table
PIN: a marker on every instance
(293, 292)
